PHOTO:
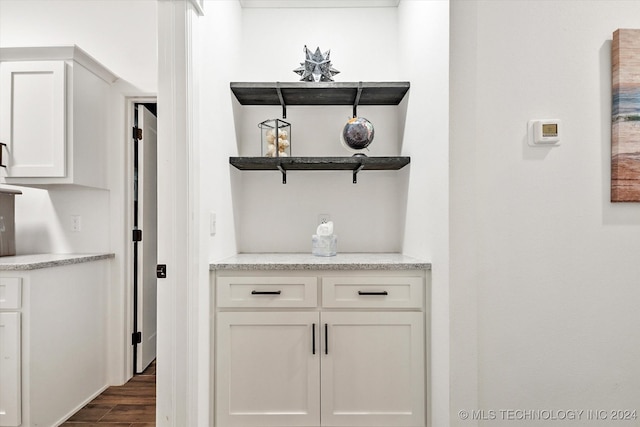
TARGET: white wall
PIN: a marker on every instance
(129, 51)
(220, 38)
(424, 60)
(542, 262)
(405, 211)
(123, 37)
(267, 215)
(43, 221)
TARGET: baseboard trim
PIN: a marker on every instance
(70, 414)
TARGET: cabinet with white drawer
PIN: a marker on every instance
(373, 292)
(320, 348)
(278, 292)
(53, 320)
(10, 354)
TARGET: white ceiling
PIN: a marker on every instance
(319, 3)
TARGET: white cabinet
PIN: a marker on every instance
(373, 369)
(53, 347)
(272, 291)
(266, 371)
(10, 354)
(53, 114)
(10, 410)
(352, 354)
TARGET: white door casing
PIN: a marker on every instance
(182, 385)
(148, 248)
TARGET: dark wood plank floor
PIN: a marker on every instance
(129, 405)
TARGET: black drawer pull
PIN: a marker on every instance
(313, 338)
(266, 292)
(2, 145)
(373, 293)
(326, 338)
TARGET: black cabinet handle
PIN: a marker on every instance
(313, 338)
(373, 293)
(326, 338)
(2, 145)
(266, 292)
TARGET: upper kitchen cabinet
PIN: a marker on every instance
(53, 115)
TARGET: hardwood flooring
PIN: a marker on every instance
(129, 405)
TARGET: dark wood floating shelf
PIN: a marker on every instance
(322, 93)
(284, 164)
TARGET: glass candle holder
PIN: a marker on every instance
(275, 138)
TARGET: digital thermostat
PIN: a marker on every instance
(544, 132)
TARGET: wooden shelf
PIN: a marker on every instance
(322, 93)
(354, 164)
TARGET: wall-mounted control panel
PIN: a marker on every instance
(543, 132)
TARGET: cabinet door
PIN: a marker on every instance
(33, 117)
(373, 369)
(10, 394)
(266, 371)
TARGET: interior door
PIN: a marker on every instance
(148, 248)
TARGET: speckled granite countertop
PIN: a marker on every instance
(301, 261)
(34, 262)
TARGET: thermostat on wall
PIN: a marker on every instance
(544, 132)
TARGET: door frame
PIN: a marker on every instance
(130, 109)
(183, 382)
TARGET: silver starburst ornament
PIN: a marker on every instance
(316, 67)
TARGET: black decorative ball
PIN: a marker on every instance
(357, 134)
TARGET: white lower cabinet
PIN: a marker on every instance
(373, 369)
(267, 374)
(10, 352)
(53, 347)
(10, 412)
(320, 366)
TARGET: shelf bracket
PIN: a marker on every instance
(284, 173)
(284, 106)
(355, 173)
(357, 100)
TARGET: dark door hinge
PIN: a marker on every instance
(136, 338)
(137, 235)
(137, 133)
(161, 271)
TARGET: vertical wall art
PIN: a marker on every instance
(625, 116)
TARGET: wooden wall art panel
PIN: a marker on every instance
(625, 116)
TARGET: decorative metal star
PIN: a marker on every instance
(316, 67)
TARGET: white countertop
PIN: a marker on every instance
(36, 261)
(303, 261)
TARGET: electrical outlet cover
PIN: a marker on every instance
(324, 218)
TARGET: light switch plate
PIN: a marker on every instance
(212, 223)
